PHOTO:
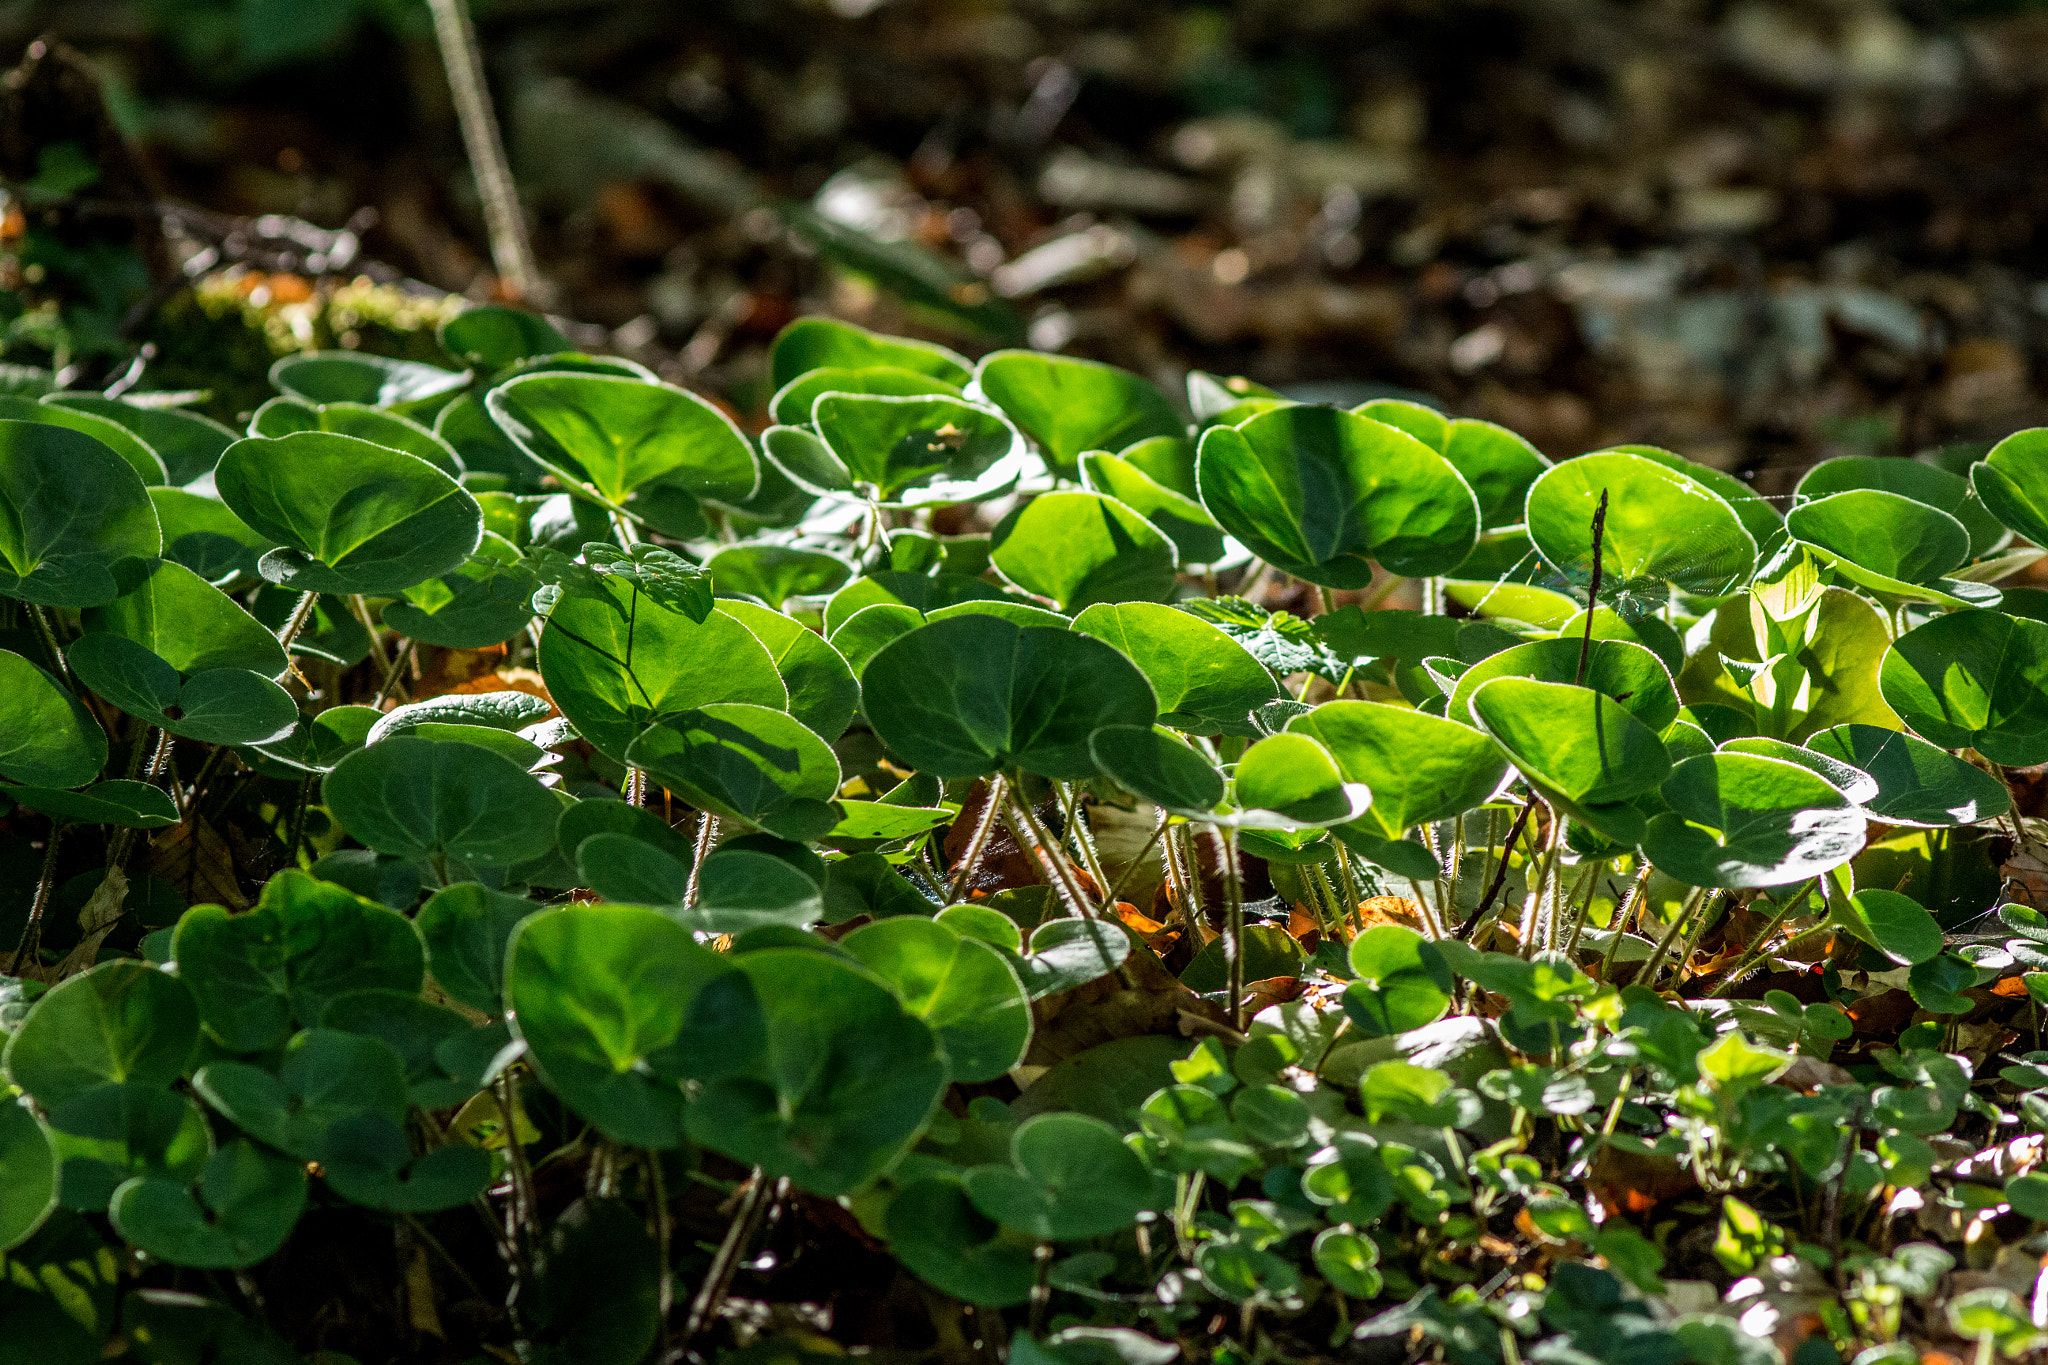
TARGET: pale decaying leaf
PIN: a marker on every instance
(194, 858)
(96, 919)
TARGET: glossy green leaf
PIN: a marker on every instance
(816, 343)
(1880, 539)
(2012, 482)
(936, 1231)
(1320, 494)
(442, 803)
(306, 942)
(1738, 820)
(1068, 405)
(811, 1069)
(351, 516)
(189, 624)
(823, 693)
(1154, 763)
(1066, 953)
(325, 1075)
(1626, 673)
(283, 416)
(924, 592)
(910, 452)
(73, 515)
(976, 695)
(466, 928)
(492, 336)
(1974, 679)
(1662, 527)
(118, 1022)
(1420, 769)
(1498, 464)
(133, 805)
(775, 573)
(47, 737)
(1290, 781)
(188, 443)
(357, 377)
(218, 706)
(1070, 1176)
(617, 436)
(1185, 521)
(1577, 745)
(203, 534)
(1402, 982)
(748, 762)
(1917, 783)
(1080, 549)
(1897, 926)
(961, 988)
(792, 403)
(1924, 483)
(367, 1159)
(1205, 681)
(616, 662)
(1855, 784)
(244, 1206)
(132, 449)
(594, 991)
(28, 1175)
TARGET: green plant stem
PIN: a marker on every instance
(199, 780)
(657, 1195)
(1032, 835)
(386, 668)
(1619, 924)
(298, 826)
(1761, 948)
(394, 681)
(1138, 860)
(1701, 923)
(1084, 838)
(1187, 874)
(739, 1234)
(700, 849)
(1431, 926)
(1540, 913)
(521, 1212)
(1352, 908)
(1655, 962)
(1382, 593)
(1233, 905)
(48, 635)
(994, 796)
(302, 612)
(32, 932)
(1583, 893)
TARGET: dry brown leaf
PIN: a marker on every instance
(194, 858)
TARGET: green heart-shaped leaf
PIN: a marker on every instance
(1922, 482)
(465, 928)
(974, 695)
(823, 692)
(615, 661)
(1402, 982)
(1739, 820)
(1420, 769)
(1185, 521)
(189, 624)
(1205, 681)
(616, 436)
(28, 1175)
(1583, 749)
(748, 762)
(435, 802)
(1896, 925)
(820, 343)
(1917, 783)
(356, 377)
(792, 403)
(1080, 549)
(367, 1159)
(188, 443)
(283, 416)
(962, 988)
(593, 991)
(492, 336)
(306, 942)
(1067, 405)
(218, 706)
(351, 516)
(245, 1205)
(936, 1231)
(1621, 670)
(47, 737)
(325, 1075)
(1071, 1176)
(776, 573)
(118, 1022)
(909, 452)
(1879, 540)
(1663, 527)
(71, 513)
(1974, 679)
(1156, 764)
(133, 805)
(1320, 494)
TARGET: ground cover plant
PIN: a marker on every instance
(507, 863)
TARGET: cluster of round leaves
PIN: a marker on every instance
(1839, 661)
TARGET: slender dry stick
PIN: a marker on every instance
(970, 857)
(394, 682)
(747, 1220)
(521, 1212)
(511, 250)
(1500, 873)
(1619, 924)
(1593, 596)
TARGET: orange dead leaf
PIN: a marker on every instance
(194, 858)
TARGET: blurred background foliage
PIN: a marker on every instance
(1760, 233)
